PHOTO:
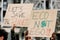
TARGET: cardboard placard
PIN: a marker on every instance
(42, 23)
(18, 14)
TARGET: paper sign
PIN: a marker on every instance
(18, 14)
(42, 23)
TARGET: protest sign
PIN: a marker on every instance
(42, 23)
(18, 14)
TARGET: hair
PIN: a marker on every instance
(3, 33)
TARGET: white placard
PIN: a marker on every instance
(18, 14)
(42, 23)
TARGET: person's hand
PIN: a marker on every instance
(14, 26)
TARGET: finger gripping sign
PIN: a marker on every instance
(42, 23)
(18, 14)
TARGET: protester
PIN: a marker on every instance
(12, 35)
(54, 36)
(27, 37)
(3, 34)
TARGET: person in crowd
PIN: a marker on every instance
(12, 35)
(3, 34)
(26, 36)
(54, 36)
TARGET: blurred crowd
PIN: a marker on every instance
(12, 36)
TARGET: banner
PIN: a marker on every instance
(42, 23)
(18, 14)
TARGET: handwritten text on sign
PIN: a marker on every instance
(18, 14)
(42, 23)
